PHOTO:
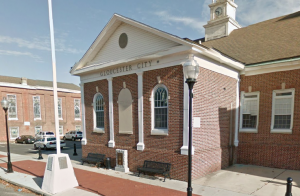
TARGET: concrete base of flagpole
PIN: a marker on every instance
(59, 174)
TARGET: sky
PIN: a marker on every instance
(25, 49)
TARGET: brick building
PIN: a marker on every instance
(32, 107)
(135, 99)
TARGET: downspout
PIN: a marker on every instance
(237, 104)
(230, 137)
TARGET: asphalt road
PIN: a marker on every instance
(27, 149)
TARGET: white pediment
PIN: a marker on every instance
(140, 43)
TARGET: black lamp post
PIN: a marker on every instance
(191, 71)
(4, 104)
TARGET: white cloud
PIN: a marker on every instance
(17, 53)
(254, 11)
(193, 23)
(42, 43)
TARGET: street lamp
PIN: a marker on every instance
(191, 71)
(4, 104)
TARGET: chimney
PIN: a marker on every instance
(24, 81)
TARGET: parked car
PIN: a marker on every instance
(48, 142)
(25, 139)
(42, 134)
(73, 135)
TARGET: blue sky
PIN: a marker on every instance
(25, 37)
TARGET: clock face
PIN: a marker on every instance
(218, 11)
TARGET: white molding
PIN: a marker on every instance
(249, 130)
(292, 90)
(84, 140)
(185, 138)
(237, 103)
(37, 87)
(271, 67)
(111, 142)
(140, 144)
(95, 128)
(155, 131)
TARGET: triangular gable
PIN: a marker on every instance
(142, 40)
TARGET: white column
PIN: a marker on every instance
(184, 149)
(236, 135)
(84, 140)
(140, 145)
(111, 142)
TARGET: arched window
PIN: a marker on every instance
(160, 110)
(98, 111)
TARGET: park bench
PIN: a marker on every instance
(94, 158)
(156, 167)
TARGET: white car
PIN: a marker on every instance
(73, 135)
(43, 134)
(47, 143)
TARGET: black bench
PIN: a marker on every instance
(156, 167)
(94, 158)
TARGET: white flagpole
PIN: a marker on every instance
(54, 78)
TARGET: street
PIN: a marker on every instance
(27, 149)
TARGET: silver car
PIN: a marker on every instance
(47, 143)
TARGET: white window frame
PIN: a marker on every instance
(292, 90)
(97, 129)
(243, 94)
(60, 118)
(155, 131)
(9, 106)
(36, 128)
(61, 127)
(75, 108)
(77, 126)
(10, 132)
(40, 118)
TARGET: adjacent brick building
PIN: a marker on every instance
(245, 103)
(32, 107)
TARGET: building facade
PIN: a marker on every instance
(135, 99)
(32, 107)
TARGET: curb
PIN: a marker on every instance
(26, 187)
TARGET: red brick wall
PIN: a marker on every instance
(265, 148)
(25, 111)
(211, 145)
(213, 95)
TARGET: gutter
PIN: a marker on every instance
(273, 62)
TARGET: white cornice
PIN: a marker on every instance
(272, 67)
(12, 85)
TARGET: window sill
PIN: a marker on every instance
(281, 131)
(78, 119)
(37, 119)
(12, 119)
(243, 130)
(98, 130)
(159, 132)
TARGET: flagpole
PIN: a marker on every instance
(54, 78)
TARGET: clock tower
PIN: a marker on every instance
(222, 19)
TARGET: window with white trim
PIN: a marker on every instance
(61, 130)
(77, 109)
(98, 112)
(59, 104)
(78, 127)
(14, 132)
(36, 107)
(249, 112)
(37, 129)
(160, 110)
(282, 111)
(12, 109)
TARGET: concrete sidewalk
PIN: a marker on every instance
(239, 180)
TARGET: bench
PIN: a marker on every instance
(156, 167)
(94, 158)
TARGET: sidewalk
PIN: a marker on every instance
(28, 173)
